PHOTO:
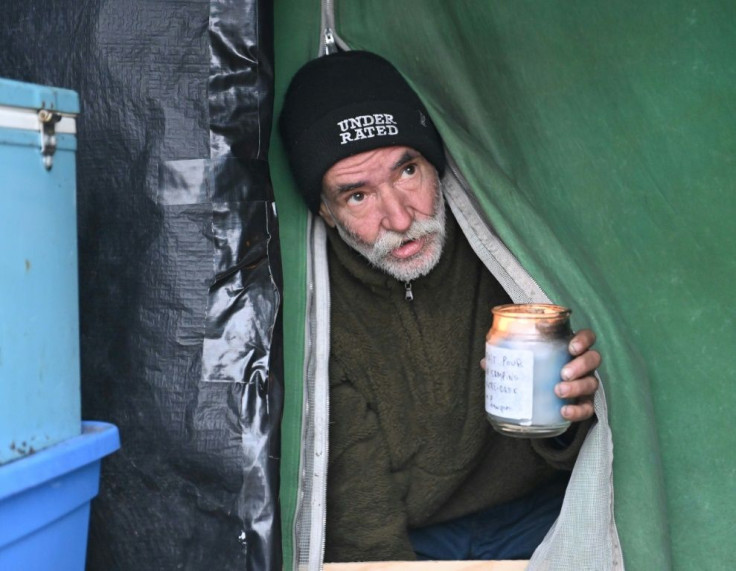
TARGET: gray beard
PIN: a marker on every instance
(379, 255)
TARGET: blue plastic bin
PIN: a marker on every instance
(45, 500)
(39, 299)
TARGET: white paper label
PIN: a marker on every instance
(509, 382)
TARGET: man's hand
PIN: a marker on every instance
(578, 379)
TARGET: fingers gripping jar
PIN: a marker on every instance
(526, 348)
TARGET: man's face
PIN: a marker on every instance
(387, 205)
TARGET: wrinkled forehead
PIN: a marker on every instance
(370, 167)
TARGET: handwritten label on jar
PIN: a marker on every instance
(509, 382)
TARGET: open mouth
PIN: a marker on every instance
(408, 249)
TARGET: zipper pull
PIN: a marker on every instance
(330, 46)
(409, 295)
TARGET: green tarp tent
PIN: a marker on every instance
(598, 139)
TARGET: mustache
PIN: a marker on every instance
(389, 240)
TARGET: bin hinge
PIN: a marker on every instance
(48, 120)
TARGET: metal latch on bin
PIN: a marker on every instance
(48, 120)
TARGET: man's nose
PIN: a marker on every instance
(397, 215)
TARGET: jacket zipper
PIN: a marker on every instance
(408, 294)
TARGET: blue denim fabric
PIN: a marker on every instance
(509, 531)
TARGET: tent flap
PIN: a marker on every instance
(598, 140)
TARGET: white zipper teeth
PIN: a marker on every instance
(26, 119)
(312, 486)
(494, 254)
(307, 375)
(321, 314)
(321, 397)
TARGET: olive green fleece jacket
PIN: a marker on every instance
(409, 441)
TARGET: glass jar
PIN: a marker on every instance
(526, 348)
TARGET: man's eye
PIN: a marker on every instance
(356, 197)
(410, 169)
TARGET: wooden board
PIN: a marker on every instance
(429, 566)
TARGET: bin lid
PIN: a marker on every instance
(35, 97)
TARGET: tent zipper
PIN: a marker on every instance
(330, 41)
(308, 531)
(316, 365)
(321, 313)
(494, 254)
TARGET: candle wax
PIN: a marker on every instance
(520, 380)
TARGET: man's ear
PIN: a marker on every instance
(326, 215)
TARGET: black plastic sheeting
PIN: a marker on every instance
(180, 279)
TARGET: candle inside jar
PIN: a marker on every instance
(525, 352)
(545, 363)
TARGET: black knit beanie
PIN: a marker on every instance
(346, 103)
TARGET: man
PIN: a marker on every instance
(415, 470)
